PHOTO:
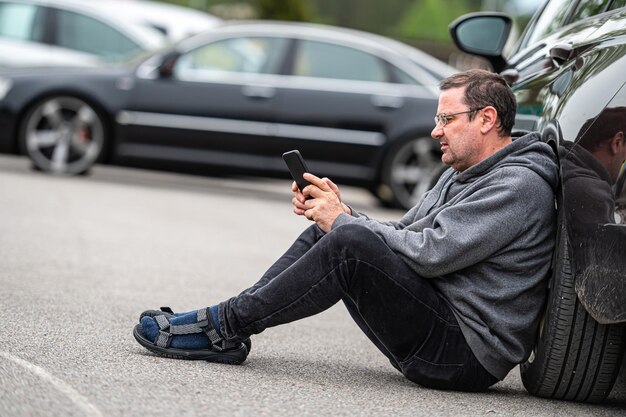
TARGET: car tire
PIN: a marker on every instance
(410, 169)
(63, 135)
(575, 358)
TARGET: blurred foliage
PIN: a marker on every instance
(416, 19)
(369, 15)
(422, 23)
(429, 19)
(294, 10)
(420, 19)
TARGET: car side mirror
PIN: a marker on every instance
(166, 69)
(483, 34)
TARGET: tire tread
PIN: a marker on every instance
(576, 358)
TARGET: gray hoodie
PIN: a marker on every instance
(485, 238)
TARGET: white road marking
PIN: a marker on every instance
(74, 396)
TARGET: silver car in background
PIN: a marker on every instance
(89, 33)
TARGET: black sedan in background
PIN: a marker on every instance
(358, 106)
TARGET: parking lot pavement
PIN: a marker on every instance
(81, 257)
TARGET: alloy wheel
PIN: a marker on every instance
(63, 135)
(411, 170)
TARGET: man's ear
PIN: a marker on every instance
(489, 118)
(616, 141)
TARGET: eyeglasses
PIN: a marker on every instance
(444, 119)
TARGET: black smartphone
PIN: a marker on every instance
(297, 167)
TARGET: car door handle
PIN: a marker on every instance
(387, 102)
(258, 91)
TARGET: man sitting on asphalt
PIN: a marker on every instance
(451, 294)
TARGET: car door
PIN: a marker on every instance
(561, 30)
(582, 329)
(336, 106)
(216, 107)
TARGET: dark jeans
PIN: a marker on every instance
(399, 311)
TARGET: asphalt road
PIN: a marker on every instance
(81, 257)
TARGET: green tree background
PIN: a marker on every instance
(422, 23)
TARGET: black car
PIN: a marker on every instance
(568, 75)
(358, 106)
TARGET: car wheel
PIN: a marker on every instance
(410, 169)
(575, 358)
(63, 135)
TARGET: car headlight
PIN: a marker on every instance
(5, 86)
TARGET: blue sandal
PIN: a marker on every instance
(169, 313)
(217, 349)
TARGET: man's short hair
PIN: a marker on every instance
(482, 89)
(602, 128)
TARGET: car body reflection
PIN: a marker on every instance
(591, 168)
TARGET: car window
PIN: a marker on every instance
(257, 55)
(21, 21)
(326, 60)
(554, 15)
(588, 8)
(83, 33)
(402, 77)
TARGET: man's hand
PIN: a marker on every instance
(319, 202)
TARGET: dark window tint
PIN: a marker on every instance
(86, 34)
(21, 21)
(326, 60)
